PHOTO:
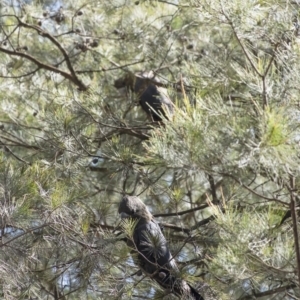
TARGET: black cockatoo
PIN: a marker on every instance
(154, 257)
(153, 99)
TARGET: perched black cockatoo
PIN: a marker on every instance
(154, 257)
(153, 99)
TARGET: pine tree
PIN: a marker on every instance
(221, 175)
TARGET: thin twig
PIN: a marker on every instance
(295, 226)
(182, 212)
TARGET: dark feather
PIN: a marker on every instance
(153, 99)
(154, 257)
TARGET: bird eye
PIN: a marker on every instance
(95, 160)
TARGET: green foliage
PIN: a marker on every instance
(248, 246)
(128, 226)
(276, 129)
(220, 174)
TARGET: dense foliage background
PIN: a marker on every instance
(222, 176)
